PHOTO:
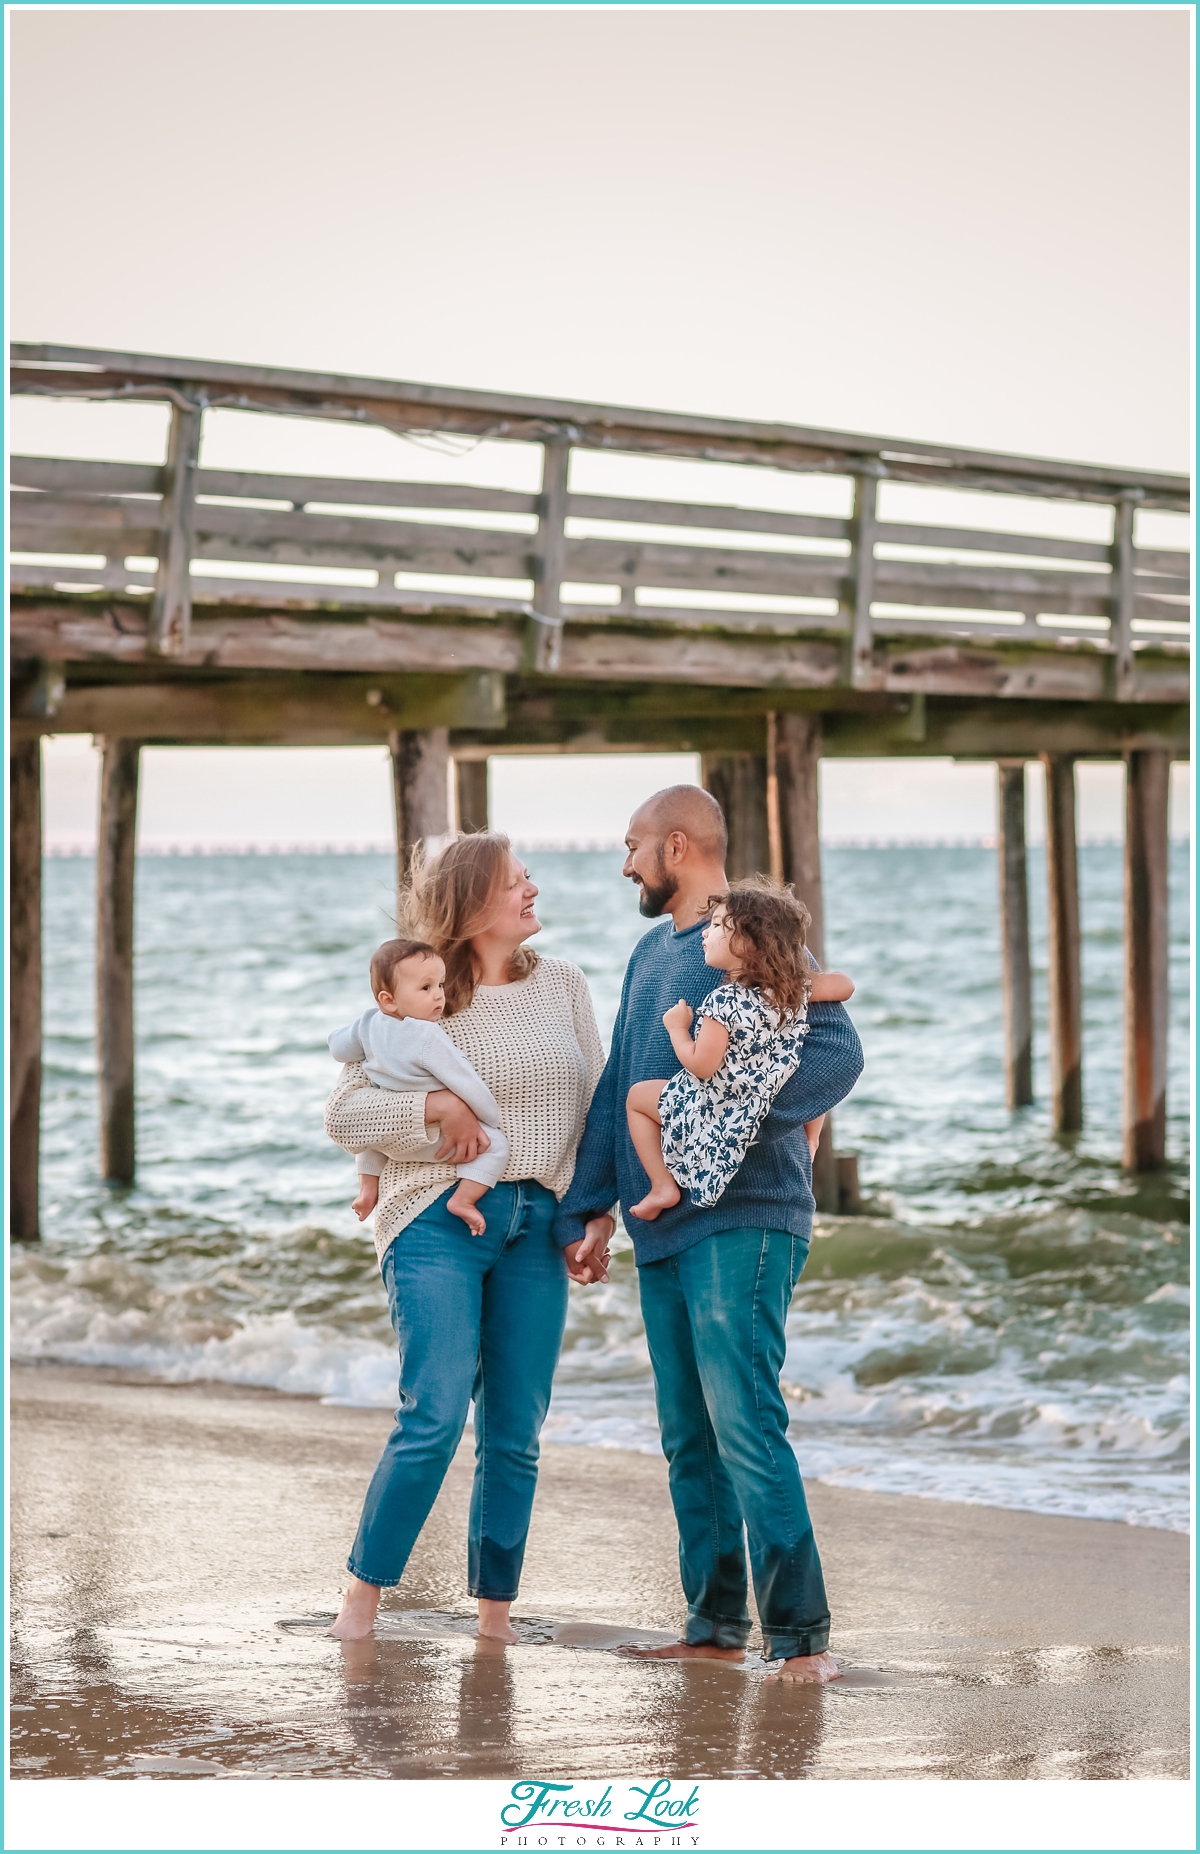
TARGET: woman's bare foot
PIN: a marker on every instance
(464, 1207)
(494, 1623)
(356, 1619)
(806, 1670)
(368, 1196)
(659, 1197)
(686, 1651)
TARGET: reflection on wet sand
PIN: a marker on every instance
(176, 1558)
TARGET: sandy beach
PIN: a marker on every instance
(177, 1553)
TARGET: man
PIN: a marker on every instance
(715, 1284)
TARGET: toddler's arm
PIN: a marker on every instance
(702, 1055)
(831, 988)
(370, 1164)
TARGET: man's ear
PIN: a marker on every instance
(675, 846)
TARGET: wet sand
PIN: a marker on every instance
(177, 1553)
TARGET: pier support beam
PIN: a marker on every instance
(1014, 936)
(738, 782)
(1146, 957)
(25, 985)
(420, 785)
(1065, 982)
(114, 955)
(470, 795)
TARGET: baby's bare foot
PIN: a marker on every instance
(494, 1625)
(356, 1619)
(471, 1218)
(805, 1669)
(661, 1197)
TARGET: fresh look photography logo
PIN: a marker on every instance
(661, 1814)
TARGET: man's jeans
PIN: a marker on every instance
(714, 1320)
(476, 1316)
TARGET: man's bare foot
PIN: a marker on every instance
(356, 1619)
(685, 1651)
(368, 1197)
(806, 1670)
(659, 1197)
(461, 1207)
(494, 1623)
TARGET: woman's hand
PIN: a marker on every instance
(463, 1139)
(587, 1259)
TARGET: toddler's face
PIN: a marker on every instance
(717, 950)
(418, 989)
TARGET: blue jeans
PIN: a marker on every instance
(481, 1317)
(714, 1319)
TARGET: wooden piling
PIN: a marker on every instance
(1014, 936)
(1065, 982)
(25, 985)
(738, 782)
(114, 955)
(420, 787)
(471, 795)
(1146, 960)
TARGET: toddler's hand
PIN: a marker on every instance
(679, 1016)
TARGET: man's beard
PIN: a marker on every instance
(653, 897)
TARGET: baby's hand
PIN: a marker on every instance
(679, 1017)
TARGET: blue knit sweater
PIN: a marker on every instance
(773, 1189)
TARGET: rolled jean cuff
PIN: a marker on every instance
(491, 1596)
(783, 1645)
(380, 1583)
(720, 1631)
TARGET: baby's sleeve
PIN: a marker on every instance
(450, 1069)
(346, 1044)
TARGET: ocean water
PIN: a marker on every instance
(1007, 1322)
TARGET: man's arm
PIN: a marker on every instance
(592, 1191)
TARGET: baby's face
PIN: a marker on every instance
(717, 950)
(418, 989)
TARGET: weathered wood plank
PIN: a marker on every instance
(705, 515)
(1123, 596)
(1147, 952)
(115, 847)
(861, 586)
(1065, 981)
(83, 476)
(363, 491)
(25, 986)
(983, 540)
(506, 414)
(544, 635)
(171, 611)
(1015, 977)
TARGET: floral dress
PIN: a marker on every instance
(708, 1125)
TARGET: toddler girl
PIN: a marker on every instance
(693, 1131)
(402, 1045)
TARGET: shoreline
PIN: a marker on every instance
(178, 1551)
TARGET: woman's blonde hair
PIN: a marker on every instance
(451, 897)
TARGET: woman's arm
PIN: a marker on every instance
(358, 1116)
(831, 988)
(584, 1018)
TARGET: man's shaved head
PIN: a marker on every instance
(690, 810)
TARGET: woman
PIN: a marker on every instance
(476, 1316)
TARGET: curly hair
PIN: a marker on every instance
(767, 924)
(451, 897)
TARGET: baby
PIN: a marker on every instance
(402, 1046)
(694, 1130)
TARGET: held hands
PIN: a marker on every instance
(678, 1020)
(587, 1260)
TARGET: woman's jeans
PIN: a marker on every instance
(714, 1320)
(477, 1317)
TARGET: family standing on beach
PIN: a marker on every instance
(494, 1142)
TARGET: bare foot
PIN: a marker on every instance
(661, 1197)
(686, 1651)
(806, 1670)
(493, 1619)
(356, 1619)
(368, 1197)
(470, 1216)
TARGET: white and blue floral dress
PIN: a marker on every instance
(707, 1126)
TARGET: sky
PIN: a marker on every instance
(961, 225)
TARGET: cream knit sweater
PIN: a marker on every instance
(534, 1044)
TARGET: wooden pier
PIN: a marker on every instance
(761, 640)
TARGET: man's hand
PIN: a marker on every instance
(678, 1019)
(587, 1259)
(463, 1139)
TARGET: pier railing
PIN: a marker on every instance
(177, 536)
